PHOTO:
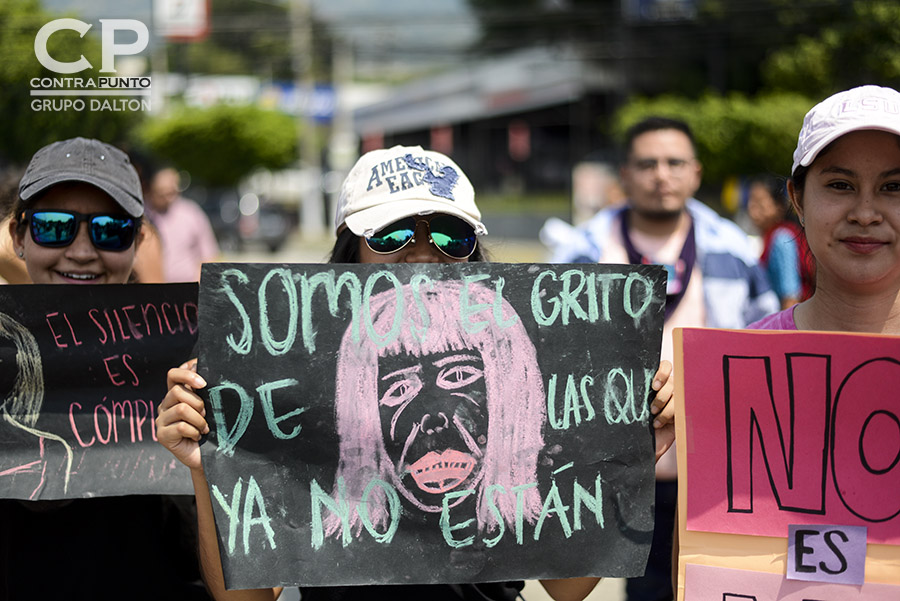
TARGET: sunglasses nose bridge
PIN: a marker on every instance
(81, 243)
(416, 233)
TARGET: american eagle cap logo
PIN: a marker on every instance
(441, 184)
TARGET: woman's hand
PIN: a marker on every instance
(663, 408)
(181, 420)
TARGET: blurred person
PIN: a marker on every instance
(434, 220)
(77, 220)
(785, 254)
(148, 263)
(12, 270)
(714, 279)
(185, 231)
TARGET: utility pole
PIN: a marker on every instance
(312, 210)
(342, 147)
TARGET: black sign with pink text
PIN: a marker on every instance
(82, 372)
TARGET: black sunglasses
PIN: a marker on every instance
(451, 235)
(55, 229)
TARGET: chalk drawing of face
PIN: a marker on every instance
(23, 403)
(434, 419)
(440, 408)
(21, 407)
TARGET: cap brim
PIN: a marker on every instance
(368, 221)
(125, 200)
(807, 159)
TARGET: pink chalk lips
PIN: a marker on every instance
(440, 472)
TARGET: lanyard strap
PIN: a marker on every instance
(679, 274)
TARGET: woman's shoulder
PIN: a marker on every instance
(783, 320)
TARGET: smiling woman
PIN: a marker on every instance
(846, 190)
(77, 220)
(78, 216)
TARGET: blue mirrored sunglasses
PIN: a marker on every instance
(451, 235)
(54, 228)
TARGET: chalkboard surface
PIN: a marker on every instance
(377, 424)
(82, 371)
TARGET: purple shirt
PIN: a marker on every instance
(783, 320)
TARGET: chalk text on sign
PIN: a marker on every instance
(296, 292)
(586, 297)
(584, 508)
(623, 400)
(109, 418)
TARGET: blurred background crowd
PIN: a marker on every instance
(258, 109)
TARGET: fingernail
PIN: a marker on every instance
(656, 385)
(199, 382)
(654, 409)
(206, 429)
(657, 423)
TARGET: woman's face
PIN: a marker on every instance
(851, 209)
(762, 208)
(434, 422)
(80, 262)
(420, 251)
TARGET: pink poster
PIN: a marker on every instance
(708, 583)
(792, 428)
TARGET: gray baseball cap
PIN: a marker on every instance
(88, 161)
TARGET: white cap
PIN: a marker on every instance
(390, 184)
(865, 107)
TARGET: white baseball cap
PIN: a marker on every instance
(865, 107)
(390, 184)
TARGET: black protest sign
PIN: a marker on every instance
(429, 423)
(82, 371)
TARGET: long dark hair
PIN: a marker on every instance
(346, 249)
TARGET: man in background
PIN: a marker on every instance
(184, 229)
(713, 276)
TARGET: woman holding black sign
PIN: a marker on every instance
(401, 205)
(77, 220)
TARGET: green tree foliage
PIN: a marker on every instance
(222, 144)
(863, 47)
(512, 24)
(22, 129)
(682, 47)
(734, 134)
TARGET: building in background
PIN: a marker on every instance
(517, 123)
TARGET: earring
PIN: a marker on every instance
(21, 254)
(802, 224)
